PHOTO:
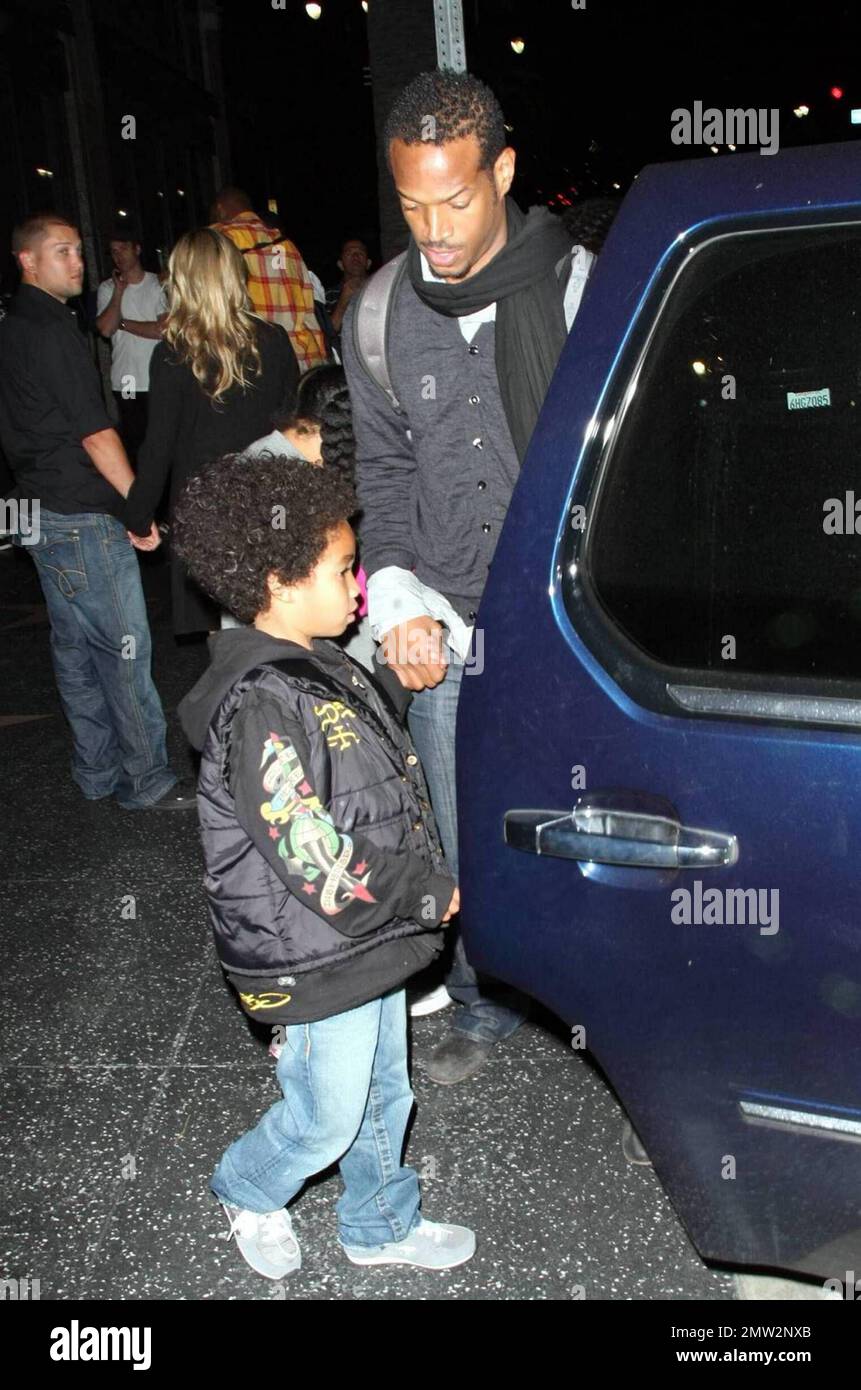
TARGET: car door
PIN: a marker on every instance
(659, 749)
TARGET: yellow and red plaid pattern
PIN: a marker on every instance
(278, 285)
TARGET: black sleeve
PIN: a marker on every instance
(74, 382)
(288, 370)
(341, 875)
(168, 388)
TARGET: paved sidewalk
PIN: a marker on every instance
(126, 1067)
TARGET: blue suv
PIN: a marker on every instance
(659, 754)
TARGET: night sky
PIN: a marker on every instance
(589, 99)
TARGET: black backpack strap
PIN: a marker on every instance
(262, 245)
(371, 322)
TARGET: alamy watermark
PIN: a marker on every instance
(77, 1343)
(727, 907)
(21, 519)
(709, 126)
(842, 515)
(418, 647)
(848, 1288)
(20, 1289)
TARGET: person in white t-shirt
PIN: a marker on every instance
(131, 307)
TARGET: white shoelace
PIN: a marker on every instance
(272, 1228)
(429, 1228)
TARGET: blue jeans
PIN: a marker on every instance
(102, 653)
(347, 1100)
(489, 1012)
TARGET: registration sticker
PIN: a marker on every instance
(807, 400)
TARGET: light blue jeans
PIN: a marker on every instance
(102, 655)
(347, 1100)
(488, 1011)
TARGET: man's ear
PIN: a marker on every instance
(340, 265)
(25, 262)
(503, 171)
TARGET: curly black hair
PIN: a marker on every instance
(244, 518)
(322, 399)
(443, 106)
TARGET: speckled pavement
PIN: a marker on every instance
(126, 1068)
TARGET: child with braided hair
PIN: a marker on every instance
(318, 427)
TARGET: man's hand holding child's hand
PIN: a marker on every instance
(416, 652)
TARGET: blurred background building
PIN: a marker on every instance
(111, 111)
(287, 99)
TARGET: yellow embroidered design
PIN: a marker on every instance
(270, 1000)
(331, 715)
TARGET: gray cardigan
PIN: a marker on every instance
(435, 482)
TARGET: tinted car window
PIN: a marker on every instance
(745, 422)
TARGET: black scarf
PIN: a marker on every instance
(530, 322)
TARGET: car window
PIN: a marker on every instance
(723, 533)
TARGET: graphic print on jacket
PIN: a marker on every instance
(305, 833)
(325, 875)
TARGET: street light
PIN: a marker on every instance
(518, 45)
(313, 11)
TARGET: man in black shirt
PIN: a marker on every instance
(71, 475)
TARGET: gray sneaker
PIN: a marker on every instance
(429, 1246)
(265, 1239)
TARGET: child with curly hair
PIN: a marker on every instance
(325, 877)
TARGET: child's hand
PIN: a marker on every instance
(453, 907)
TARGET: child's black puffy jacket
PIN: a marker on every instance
(324, 872)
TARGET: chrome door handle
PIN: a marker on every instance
(604, 834)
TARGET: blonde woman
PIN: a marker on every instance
(216, 381)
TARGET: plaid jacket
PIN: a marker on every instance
(278, 285)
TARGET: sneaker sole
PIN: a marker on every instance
(403, 1260)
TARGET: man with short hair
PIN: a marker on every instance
(478, 318)
(131, 307)
(354, 264)
(72, 474)
(278, 283)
